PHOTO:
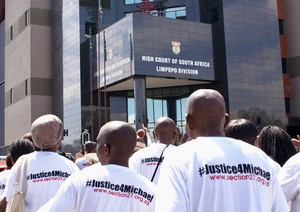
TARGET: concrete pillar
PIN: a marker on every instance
(140, 101)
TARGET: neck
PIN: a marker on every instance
(164, 141)
(119, 163)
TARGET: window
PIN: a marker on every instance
(134, 1)
(26, 18)
(287, 105)
(11, 32)
(283, 62)
(131, 110)
(214, 14)
(11, 96)
(281, 30)
(90, 28)
(176, 13)
(26, 87)
(180, 113)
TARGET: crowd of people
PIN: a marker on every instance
(217, 164)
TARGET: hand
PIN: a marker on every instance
(3, 203)
(141, 133)
(296, 142)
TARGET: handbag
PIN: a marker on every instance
(17, 203)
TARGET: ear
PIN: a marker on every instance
(154, 135)
(106, 149)
(189, 121)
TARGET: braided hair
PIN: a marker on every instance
(276, 143)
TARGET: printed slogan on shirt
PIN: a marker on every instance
(48, 176)
(236, 172)
(120, 190)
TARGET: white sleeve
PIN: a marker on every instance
(171, 188)
(78, 163)
(64, 200)
(279, 202)
(288, 179)
(134, 163)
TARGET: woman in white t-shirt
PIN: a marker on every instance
(46, 169)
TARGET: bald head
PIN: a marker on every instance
(165, 131)
(115, 143)
(205, 114)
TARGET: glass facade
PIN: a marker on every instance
(160, 102)
(254, 70)
(79, 26)
(134, 1)
(242, 38)
(71, 75)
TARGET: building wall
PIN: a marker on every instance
(28, 76)
(2, 58)
(292, 33)
(253, 58)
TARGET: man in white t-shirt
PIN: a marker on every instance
(112, 186)
(215, 173)
(90, 156)
(289, 179)
(46, 169)
(147, 161)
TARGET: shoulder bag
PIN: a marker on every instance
(158, 163)
(17, 203)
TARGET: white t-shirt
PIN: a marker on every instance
(4, 175)
(46, 171)
(145, 160)
(86, 160)
(289, 179)
(104, 188)
(218, 174)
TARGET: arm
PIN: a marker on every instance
(65, 198)
(296, 142)
(148, 136)
(287, 178)
(279, 201)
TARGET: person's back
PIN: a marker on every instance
(90, 156)
(147, 161)
(227, 174)
(215, 173)
(289, 179)
(46, 169)
(116, 189)
(110, 187)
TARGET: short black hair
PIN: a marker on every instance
(241, 129)
(8, 161)
(20, 147)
